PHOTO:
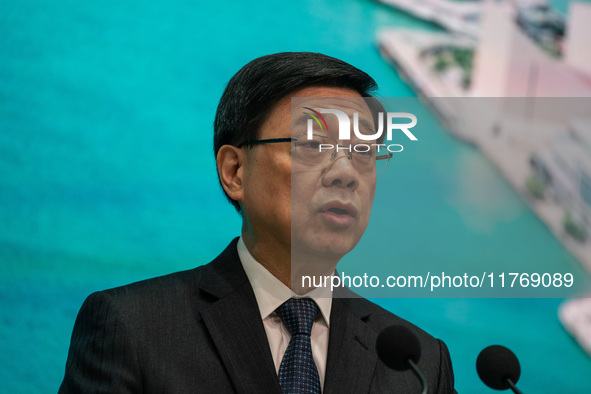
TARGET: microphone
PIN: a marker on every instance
(399, 348)
(498, 368)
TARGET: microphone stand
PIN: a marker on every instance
(422, 377)
(513, 387)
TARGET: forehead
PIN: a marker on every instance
(346, 100)
(321, 106)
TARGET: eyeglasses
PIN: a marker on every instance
(321, 150)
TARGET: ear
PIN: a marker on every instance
(230, 161)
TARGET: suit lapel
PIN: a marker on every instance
(351, 355)
(234, 323)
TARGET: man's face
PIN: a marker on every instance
(320, 211)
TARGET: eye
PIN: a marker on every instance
(311, 144)
(364, 150)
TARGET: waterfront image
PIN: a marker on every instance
(107, 174)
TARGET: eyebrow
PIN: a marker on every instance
(300, 121)
(363, 123)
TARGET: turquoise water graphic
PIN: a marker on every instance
(107, 174)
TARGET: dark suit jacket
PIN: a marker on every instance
(200, 331)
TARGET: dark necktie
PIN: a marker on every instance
(298, 373)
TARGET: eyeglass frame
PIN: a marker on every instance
(349, 155)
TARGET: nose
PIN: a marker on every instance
(341, 173)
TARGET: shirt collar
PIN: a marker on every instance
(269, 291)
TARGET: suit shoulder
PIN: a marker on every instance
(174, 292)
(177, 281)
(163, 293)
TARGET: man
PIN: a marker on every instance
(233, 325)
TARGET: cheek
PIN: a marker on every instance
(277, 186)
(299, 208)
(303, 186)
(372, 194)
(302, 196)
(371, 187)
(274, 176)
(367, 199)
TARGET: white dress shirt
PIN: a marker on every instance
(270, 293)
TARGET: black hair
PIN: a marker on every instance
(254, 90)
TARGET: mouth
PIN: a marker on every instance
(338, 211)
(339, 214)
(340, 208)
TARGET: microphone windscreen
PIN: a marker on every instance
(495, 364)
(395, 345)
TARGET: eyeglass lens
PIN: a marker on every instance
(322, 149)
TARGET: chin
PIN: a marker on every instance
(325, 248)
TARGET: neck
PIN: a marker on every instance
(309, 268)
(288, 267)
(271, 254)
